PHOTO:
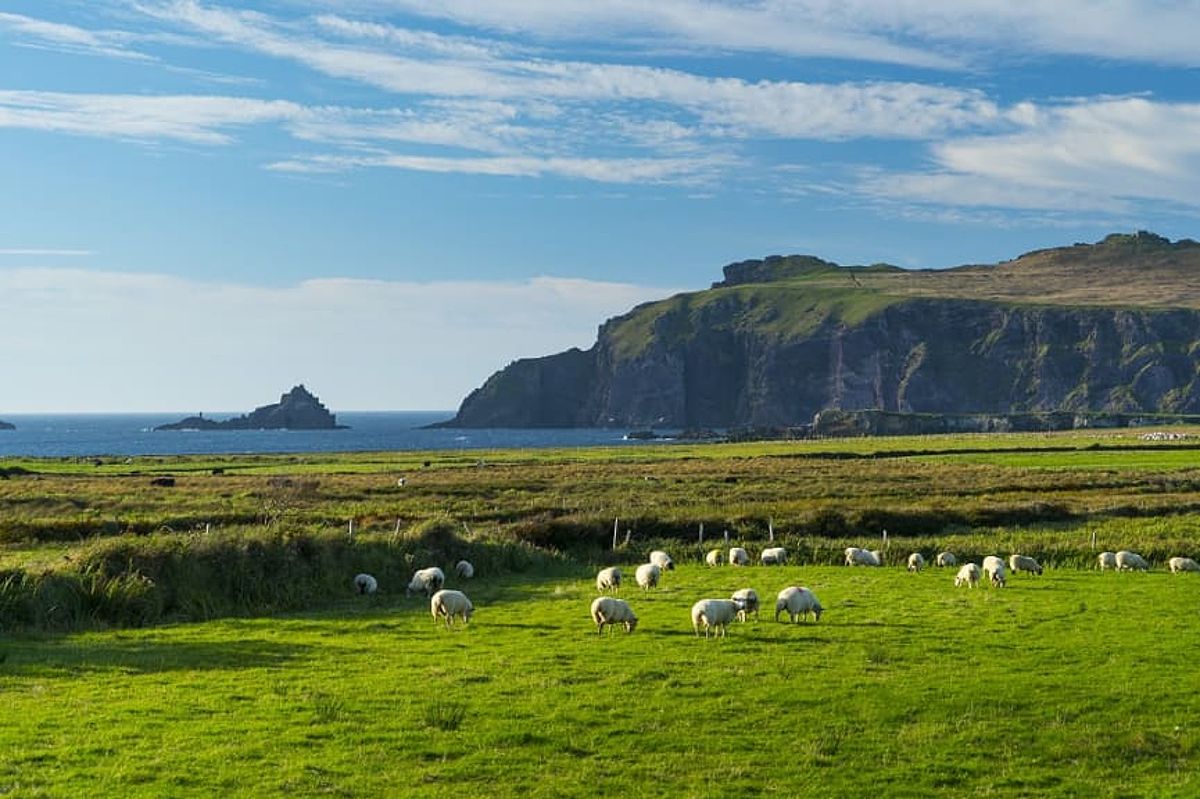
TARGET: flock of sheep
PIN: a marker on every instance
(714, 616)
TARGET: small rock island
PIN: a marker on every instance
(7, 426)
(298, 409)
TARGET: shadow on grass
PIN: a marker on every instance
(67, 657)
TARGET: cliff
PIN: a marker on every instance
(296, 410)
(1111, 327)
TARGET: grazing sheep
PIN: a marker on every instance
(1107, 560)
(647, 575)
(1183, 565)
(715, 615)
(713, 558)
(662, 560)
(946, 559)
(611, 611)
(464, 569)
(365, 584)
(862, 557)
(427, 580)
(916, 562)
(1131, 561)
(993, 567)
(748, 598)
(447, 604)
(608, 579)
(798, 602)
(1023, 563)
(773, 556)
(968, 574)
(738, 556)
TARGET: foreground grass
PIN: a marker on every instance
(1073, 684)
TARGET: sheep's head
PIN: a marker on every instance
(631, 624)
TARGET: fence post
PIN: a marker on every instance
(616, 522)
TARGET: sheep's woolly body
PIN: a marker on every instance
(365, 584)
(427, 580)
(715, 615)
(1107, 560)
(798, 602)
(662, 560)
(994, 568)
(1023, 563)
(647, 575)
(748, 598)
(1131, 561)
(464, 569)
(856, 556)
(1178, 565)
(916, 562)
(608, 579)
(447, 604)
(773, 556)
(610, 610)
(968, 574)
(946, 559)
(738, 556)
(713, 558)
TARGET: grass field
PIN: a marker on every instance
(1076, 683)
(269, 679)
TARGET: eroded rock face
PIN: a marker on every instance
(296, 410)
(813, 336)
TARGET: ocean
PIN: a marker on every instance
(76, 435)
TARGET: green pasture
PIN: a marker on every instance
(1076, 683)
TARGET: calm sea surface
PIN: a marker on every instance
(133, 434)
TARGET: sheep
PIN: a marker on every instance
(748, 598)
(1023, 563)
(993, 567)
(916, 562)
(738, 556)
(448, 604)
(1183, 565)
(713, 558)
(608, 579)
(773, 556)
(714, 614)
(464, 569)
(968, 574)
(862, 557)
(365, 584)
(1131, 561)
(798, 602)
(647, 575)
(946, 559)
(662, 560)
(611, 611)
(1107, 560)
(428, 580)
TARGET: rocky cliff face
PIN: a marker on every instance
(296, 410)
(781, 339)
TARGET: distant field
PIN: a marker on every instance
(1073, 684)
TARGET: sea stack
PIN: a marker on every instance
(297, 409)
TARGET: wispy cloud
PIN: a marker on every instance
(69, 38)
(73, 327)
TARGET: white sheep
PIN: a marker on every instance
(738, 556)
(994, 568)
(647, 575)
(856, 556)
(1023, 563)
(608, 579)
(748, 598)
(713, 558)
(968, 574)
(464, 569)
(611, 611)
(715, 615)
(946, 559)
(1107, 560)
(662, 560)
(798, 602)
(773, 556)
(427, 580)
(1131, 561)
(1183, 565)
(365, 584)
(916, 562)
(447, 604)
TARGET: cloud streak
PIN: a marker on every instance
(386, 344)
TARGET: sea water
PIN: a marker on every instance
(78, 435)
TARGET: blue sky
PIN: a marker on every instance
(204, 203)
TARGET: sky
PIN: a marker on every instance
(205, 203)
